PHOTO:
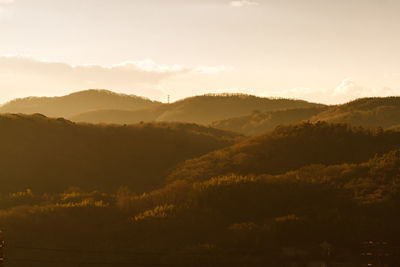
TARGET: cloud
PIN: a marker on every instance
(22, 76)
(242, 3)
(346, 91)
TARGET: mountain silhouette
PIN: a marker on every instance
(83, 101)
(198, 109)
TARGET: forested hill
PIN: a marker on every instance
(50, 155)
(289, 148)
(199, 109)
(260, 122)
(83, 101)
(367, 112)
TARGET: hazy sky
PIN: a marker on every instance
(321, 50)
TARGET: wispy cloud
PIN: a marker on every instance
(242, 3)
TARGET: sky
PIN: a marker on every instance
(319, 50)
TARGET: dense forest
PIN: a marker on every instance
(183, 194)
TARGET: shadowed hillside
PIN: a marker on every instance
(367, 112)
(288, 148)
(74, 103)
(261, 122)
(199, 109)
(53, 154)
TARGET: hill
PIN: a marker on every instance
(260, 122)
(50, 155)
(367, 112)
(199, 109)
(289, 148)
(83, 101)
(231, 220)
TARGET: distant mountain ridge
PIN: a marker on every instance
(78, 102)
(245, 114)
(198, 109)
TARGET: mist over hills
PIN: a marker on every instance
(83, 101)
(51, 155)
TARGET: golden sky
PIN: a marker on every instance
(328, 51)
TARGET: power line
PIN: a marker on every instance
(131, 263)
(129, 252)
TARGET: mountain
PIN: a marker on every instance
(83, 101)
(260, 122)
(199, 109)
(50, 155)
(289, 148)
(367, 112)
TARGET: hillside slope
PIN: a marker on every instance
(74, 103)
